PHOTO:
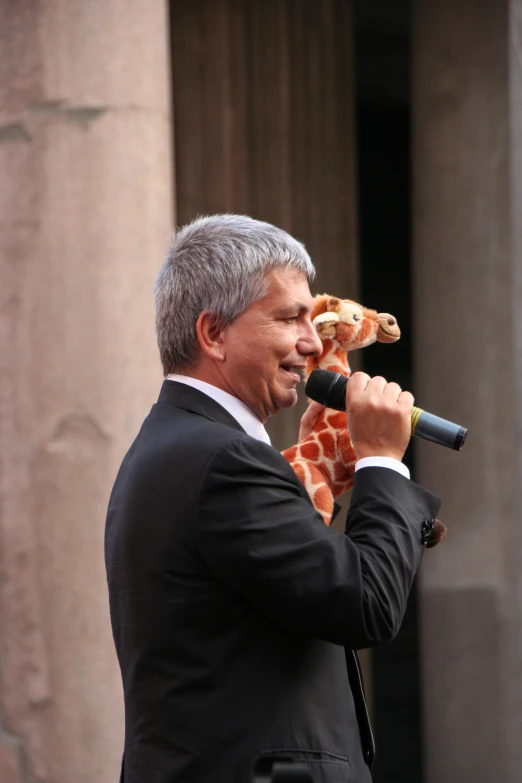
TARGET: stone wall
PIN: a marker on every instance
(86, 211)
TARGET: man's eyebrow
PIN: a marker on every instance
(297, 307)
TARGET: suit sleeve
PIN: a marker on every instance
(260, 534)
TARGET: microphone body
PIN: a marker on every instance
(329, 388)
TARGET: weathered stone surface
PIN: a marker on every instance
(12, 768)
(86, 211)
(468, 291)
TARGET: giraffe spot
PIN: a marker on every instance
(348, 458)
(299, 472)
(346, 333)
(348, 455)
(310, 451)
(337, 368)
(327, 346)
(318, 475)
(321, 426)
(290, 454)
(366, 330)
(323, 503)
(340, 487)
(327, 441)
(337, 420)
(339, 471)
(346, 449)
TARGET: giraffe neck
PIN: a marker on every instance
(333, 358)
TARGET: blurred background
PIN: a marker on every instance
(384, 134)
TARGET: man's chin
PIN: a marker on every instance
(289, 399)
(286, 398)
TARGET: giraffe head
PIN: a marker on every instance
(343, 326)
(351, 325)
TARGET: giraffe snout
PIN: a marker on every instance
(388, 331)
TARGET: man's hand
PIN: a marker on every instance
(378, 416)
(309, 419)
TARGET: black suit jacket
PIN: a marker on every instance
(232, 603)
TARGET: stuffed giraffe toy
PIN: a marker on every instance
(325, 460)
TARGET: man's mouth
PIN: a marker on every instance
(294, 370)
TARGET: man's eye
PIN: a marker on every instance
(292, 318)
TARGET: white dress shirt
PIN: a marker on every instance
(253, 426)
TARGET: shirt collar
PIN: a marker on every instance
(241, 412)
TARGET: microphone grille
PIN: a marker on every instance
(327, 388)
(318, 384)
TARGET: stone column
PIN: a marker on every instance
(86, 210)
(467, 109)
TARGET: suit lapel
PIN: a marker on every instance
(182, 396)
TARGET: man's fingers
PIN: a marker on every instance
(406, 400)
(392, 391)
(312, 412)
(358, 381)
(309, 419)
(377, 385)
(378, 416)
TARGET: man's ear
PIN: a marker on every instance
(210, 336)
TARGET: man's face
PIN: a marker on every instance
(267, 345)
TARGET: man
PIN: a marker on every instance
(234, 609)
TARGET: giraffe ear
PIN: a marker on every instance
(326, 324)
(325, 317)
(320, 304)
(334, 304)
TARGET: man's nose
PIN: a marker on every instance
(311, 345)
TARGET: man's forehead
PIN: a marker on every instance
(291, 303)
(290, 287)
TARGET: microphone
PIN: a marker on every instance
(329, 388)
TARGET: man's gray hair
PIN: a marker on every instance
(217, 263)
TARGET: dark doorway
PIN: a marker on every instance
(382, 45)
